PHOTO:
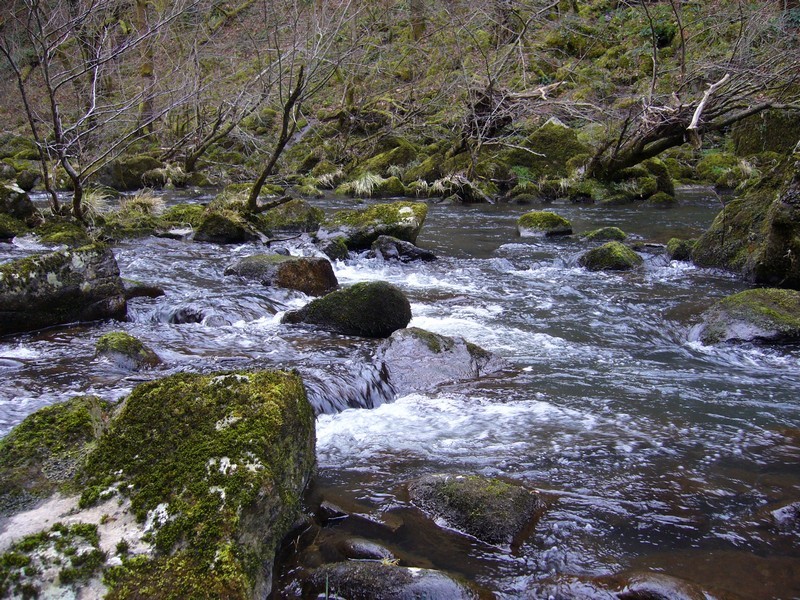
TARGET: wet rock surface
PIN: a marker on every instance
(393, 249)
(311, 275)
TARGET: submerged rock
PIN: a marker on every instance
(215, 466)
(126, 351)
(612, 256)
(42, 453)
(311, 275)
(359, 228)
(60, 287)
(374, 580)
(769, 315)
(416, 360)
(368, 309)
(391, 248)
(543, 223)
(491, 510)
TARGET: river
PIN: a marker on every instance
(654, 451)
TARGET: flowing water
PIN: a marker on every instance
(654, 451)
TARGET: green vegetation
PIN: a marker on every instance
(612, 256)
(41, 454)
(764, 313)
(127, 349)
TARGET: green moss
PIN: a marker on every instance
(11, 227)
(295, 215)
(428, 170)
(69, 233)
(436, 343)
(543, 222)
(399, 219)
(770, 312)
(221, 454)
(399, 156)
(132, 350)
(612, 256)
(716, 166)
(41, 454)
(606, 234)
(661, 200)
(183, 214)
(552, 146)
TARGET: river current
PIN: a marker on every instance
(654, 451)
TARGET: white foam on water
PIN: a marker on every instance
(19, 351)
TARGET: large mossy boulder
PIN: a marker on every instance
(543, 223)
(294, 216)
(359, 228)
(758, 234)
(490, 509)
(16, 203)
(383, 580)
(126, 174)
(768, 131)
(42, 454)
(373, 309)
(11, 228)
(311, 275)
(17, 146)
(612, 256)
(417, 360)
(126, 351)
(769, 315)
(547, 151)
(215, 465)
(60, 287)
(224, 227)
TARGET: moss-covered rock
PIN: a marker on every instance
(224, 227)
(63, 232)
(311, 275)
(764, 314)
(492, 510)
(376, 580)
(543, 223)
(15, 202)
(215, 465)
(678, 249)
(390, 248)
(758, 233)
(334, 248)
(662, 200)
(768, 131)
(399, 156)
(369, 309)
(126, 351)
(721, 169)
(360, 228)
(429, 170)
(612, 256)
(606, 234)
(125, 174)
(11, 227)
(551, 147)
(42, 453)
(417, 360)
(294, 216)
(81, 284)
(181, 215)
(17, 146)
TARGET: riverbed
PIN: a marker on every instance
(654, 451)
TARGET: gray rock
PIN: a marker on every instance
(82, 284)
(767, 315)
(367, 580)
(787, 517)
(368, 309)
(311, 275)
(15, 202)
(137, 289)
(391, 248)
(417, 360)
(492, 510)
(126, 351)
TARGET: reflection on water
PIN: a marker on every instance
(655, 451)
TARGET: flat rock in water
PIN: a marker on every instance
(492, 510)
(393, 249)
(766, 315)
(417, 360)
(359, 228)
(374, 580)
